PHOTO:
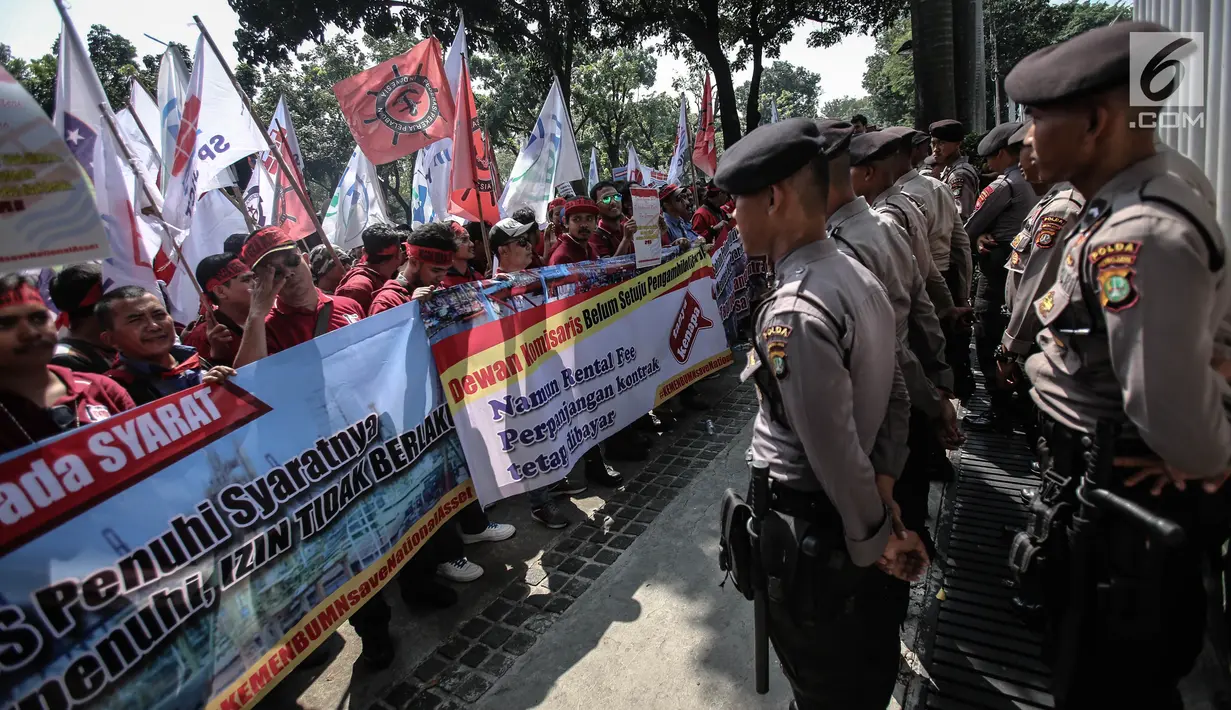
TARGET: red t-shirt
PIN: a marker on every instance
(704, 222)
(91, 397)
(452, 278)
(568, 251)
(197, 336)
(606, 239)
(286, 327)
(391, 295)
(360, 284)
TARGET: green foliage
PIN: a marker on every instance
(115, 60)
(795, 88)
(38, 76)
(890, 79)
(846, 106)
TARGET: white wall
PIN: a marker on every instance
(1210, 148)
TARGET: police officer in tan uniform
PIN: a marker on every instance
(826, 334)
(955, 169)
(1128, 328)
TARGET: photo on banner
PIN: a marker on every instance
(191, 552)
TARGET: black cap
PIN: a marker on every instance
(836, 134)
(1020, 136)
(947, 130)
(1090, 62)
(997, 138)
(870, 147)
(768, 155)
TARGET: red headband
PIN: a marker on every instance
(428, 255)
(23, 295)
(233, 268)
(580, 205)
(390, 250)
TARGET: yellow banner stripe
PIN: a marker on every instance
(701, 370)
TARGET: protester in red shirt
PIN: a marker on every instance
(287, 308)
(614, 235)
(75, 290)
(710, 221)
(151, 365)
(580, 218)
(327, 273)
(430, 252)
(227, 282)
(37, 399)
(461, 270)
(382, 257)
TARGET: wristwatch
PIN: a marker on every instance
(1006, 356)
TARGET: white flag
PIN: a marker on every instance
(356, 203)
(282, 206)
(146, 111)
(172, 93)
(773, 110)
(433, 163)
(134, 243)
(146, 156)
(592, 179)
(78, 94)
(260, 197)
(679, 159)
(548, 159)
(214, 220)
(635, 176)
(215, 131)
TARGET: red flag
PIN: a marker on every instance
(400, 105)
(705, 152)
(471, 188)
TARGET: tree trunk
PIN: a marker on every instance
(967, 36)
(725, 86)
(752, 112)
(932, 55)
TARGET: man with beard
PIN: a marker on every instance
(227, 283)
(614, 233)
(580, 221)
(39, 400)
(430, 253)
(287, 308)
(460, 270)
(382, 257)
(150, 364)
(75, 290)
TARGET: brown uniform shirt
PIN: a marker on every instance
(1027, 264)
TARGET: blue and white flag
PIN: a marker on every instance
(773, 110)
(548, 159)
(78, 94)
(592, 179)
(679, 159)
(172, 92)
(358, 202)
(430, 189)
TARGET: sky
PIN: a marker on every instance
(33, 25)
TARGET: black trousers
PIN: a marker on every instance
(911, 490)
(990, 320)
(372, 619)
(837, 639)
(957, 343)
(1133, 623)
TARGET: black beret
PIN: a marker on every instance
(768, 155)
(1020, 136)
(836, 134)
(1090, 62)
(947, 130)
(870, 147)
(998, 138)
(907, 134)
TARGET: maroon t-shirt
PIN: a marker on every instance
(391, 295)
(90, 398)
(286, 327)
(360, 284)
(452, 278)
(197, 336)
(606, 239)
(568, 251)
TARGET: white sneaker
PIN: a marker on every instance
(495, 532)
(459, 570)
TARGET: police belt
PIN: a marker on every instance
(813, 506)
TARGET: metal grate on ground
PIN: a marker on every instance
(981, 655)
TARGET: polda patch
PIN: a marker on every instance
(1114, 255)
(1049, 227)
(1116, 289)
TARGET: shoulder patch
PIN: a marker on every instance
(776, 332)
(1114, 255)
(987, 192)
(1049, 227)
(1116, 289)
(775, 348)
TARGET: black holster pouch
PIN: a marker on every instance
(735, 543)
(1043, 547)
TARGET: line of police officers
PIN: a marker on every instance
(855, 364)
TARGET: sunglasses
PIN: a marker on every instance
(616, 198)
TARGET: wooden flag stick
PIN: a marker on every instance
(109, 119)
(273, 149)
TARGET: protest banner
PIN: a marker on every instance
(539, 368)
(647, 244)
(191, 552)
(47, 212)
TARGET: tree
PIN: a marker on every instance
(655, 120)
(516, 85)
(38, 76)
(890, 78)
(793, 88)
(931, 62)
(115, 60)
(846, 106)
(603, 98)
(552, 31)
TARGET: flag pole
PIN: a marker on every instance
(109, 119)
(692, 167)
(132, 108)
(487, 242)
(239, 206)
(273, 149)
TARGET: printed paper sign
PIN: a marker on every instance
(647, 243)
